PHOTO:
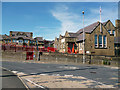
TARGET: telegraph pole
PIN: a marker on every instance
(83, 40)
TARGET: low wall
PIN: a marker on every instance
(59, 57)
(99, 60)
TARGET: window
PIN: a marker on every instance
(13, 34)
(113, 32)
(9, 41)
(31, 41)
(100, 41)
(109, 31)
(20, 41)
(14, 40)
(96, 44)
(25, 41)
(105, 41)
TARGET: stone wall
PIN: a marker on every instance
(99, 60)
(59, 57)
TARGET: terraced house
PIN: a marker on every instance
(100, 39)
(18, 38)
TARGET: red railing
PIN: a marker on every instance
(10, 47)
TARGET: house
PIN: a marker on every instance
(48, 43)
(61, 43)
(18, 38)
(39, 41)
(56, 43)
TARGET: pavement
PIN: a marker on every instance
(11, 81)
(41, 74)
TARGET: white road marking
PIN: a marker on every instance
(68, 75)
(33, 73)
(65, 67)
(15, 72)
(43, 74)
(55, 74)
(34, 83)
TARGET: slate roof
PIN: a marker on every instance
(5, 37)
(80, 37)
(117, 40)
(39, 38)
(88, 28)
(27, 34)
(73, 34)
(17, 37)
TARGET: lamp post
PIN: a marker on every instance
(83, 40)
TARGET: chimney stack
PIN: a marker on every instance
(117, 23)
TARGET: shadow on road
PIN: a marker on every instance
(58, 71)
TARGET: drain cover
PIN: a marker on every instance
(93, 72)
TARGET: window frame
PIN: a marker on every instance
(100, 41)
(113, 33)
(96, 41)
(105, 41)
(109, 31)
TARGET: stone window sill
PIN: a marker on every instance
(101, 48)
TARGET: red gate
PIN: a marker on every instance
(29, 55)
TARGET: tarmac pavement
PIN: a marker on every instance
(10, 80)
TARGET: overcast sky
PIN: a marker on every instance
(50, 19)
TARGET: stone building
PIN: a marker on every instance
(117, 38)
(97, 41)
(39, 41)
(18, 38)
(48, 43)
(56, 43)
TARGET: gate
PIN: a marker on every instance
(29, 55)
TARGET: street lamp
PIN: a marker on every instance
(83, 40)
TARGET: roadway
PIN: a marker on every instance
(105, 75)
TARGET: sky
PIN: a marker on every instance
(50, 19)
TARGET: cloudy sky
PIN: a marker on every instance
(50, 19)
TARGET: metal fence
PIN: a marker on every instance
(17, 48)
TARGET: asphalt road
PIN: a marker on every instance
(101, 74)
(10, 80)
